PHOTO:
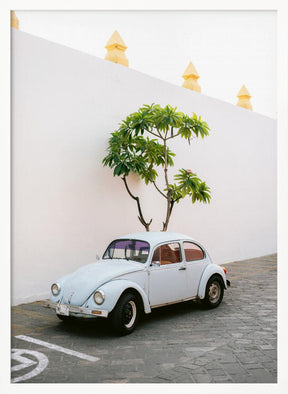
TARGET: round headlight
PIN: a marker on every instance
(99, 297)
(55, 288)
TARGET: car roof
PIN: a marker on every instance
(156, 237)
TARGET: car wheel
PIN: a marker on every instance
(214, 292)
(125, 315)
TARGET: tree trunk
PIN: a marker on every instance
(168, 211)
(140, 217)
(169, 191)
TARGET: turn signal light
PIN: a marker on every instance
(224, 269)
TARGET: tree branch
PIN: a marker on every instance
(157, 188)
(140, 217)
(166, 165)
(160, 135)
(127, 188)
(177, 199)
(173, 136)
(169, 191)
(156, 135)
(171, 206)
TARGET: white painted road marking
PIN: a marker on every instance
(24, 362)
(58, 348)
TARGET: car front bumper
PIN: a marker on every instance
(74, 310)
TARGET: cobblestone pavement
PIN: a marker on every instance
(184, 343)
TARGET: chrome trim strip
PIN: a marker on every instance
(77, 309)
(174, 302)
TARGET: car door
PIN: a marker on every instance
(196, 262)
(167, 275)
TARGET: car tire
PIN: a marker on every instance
(214, 292)
(125, 315)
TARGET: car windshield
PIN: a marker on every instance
(128, 249)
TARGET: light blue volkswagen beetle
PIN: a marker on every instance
(139, 272)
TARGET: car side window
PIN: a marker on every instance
(192, 251)
(167, 254)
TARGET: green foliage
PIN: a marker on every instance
(154, 118)
(131, 150)
(136, 154)
(188, 184)
(194, 125)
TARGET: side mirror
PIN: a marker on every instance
(155, 264)
(97, 257)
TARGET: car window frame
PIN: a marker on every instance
(171, 264)
(128, 239)
(199, 246)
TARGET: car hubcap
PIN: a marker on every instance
(129, 314)
(214, 292)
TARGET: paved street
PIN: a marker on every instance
(184, 343)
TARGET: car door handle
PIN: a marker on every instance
(182, 268)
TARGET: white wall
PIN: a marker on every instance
(66, 207)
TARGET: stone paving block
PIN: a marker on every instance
(246, 378)
(216, 372)
(167, 366)
(133, 375)
(233, 368)
(202, 378)
(197, 370)
(263, 376)
(202, 361)
(185, 378)
(127, 362)
(222, 379)
(227, 357)
(248, 359)
(212, 365)
(250, 366)
(272, 353)
(270, 366)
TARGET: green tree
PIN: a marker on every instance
(140, 146)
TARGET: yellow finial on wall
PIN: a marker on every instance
(191, 78)
(116, 50)
(14, 20)
(244, 98)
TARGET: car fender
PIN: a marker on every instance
(113, 291)
(210, 270)
(61, 283)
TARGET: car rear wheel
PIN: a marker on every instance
(214, 292)
(125, 315)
